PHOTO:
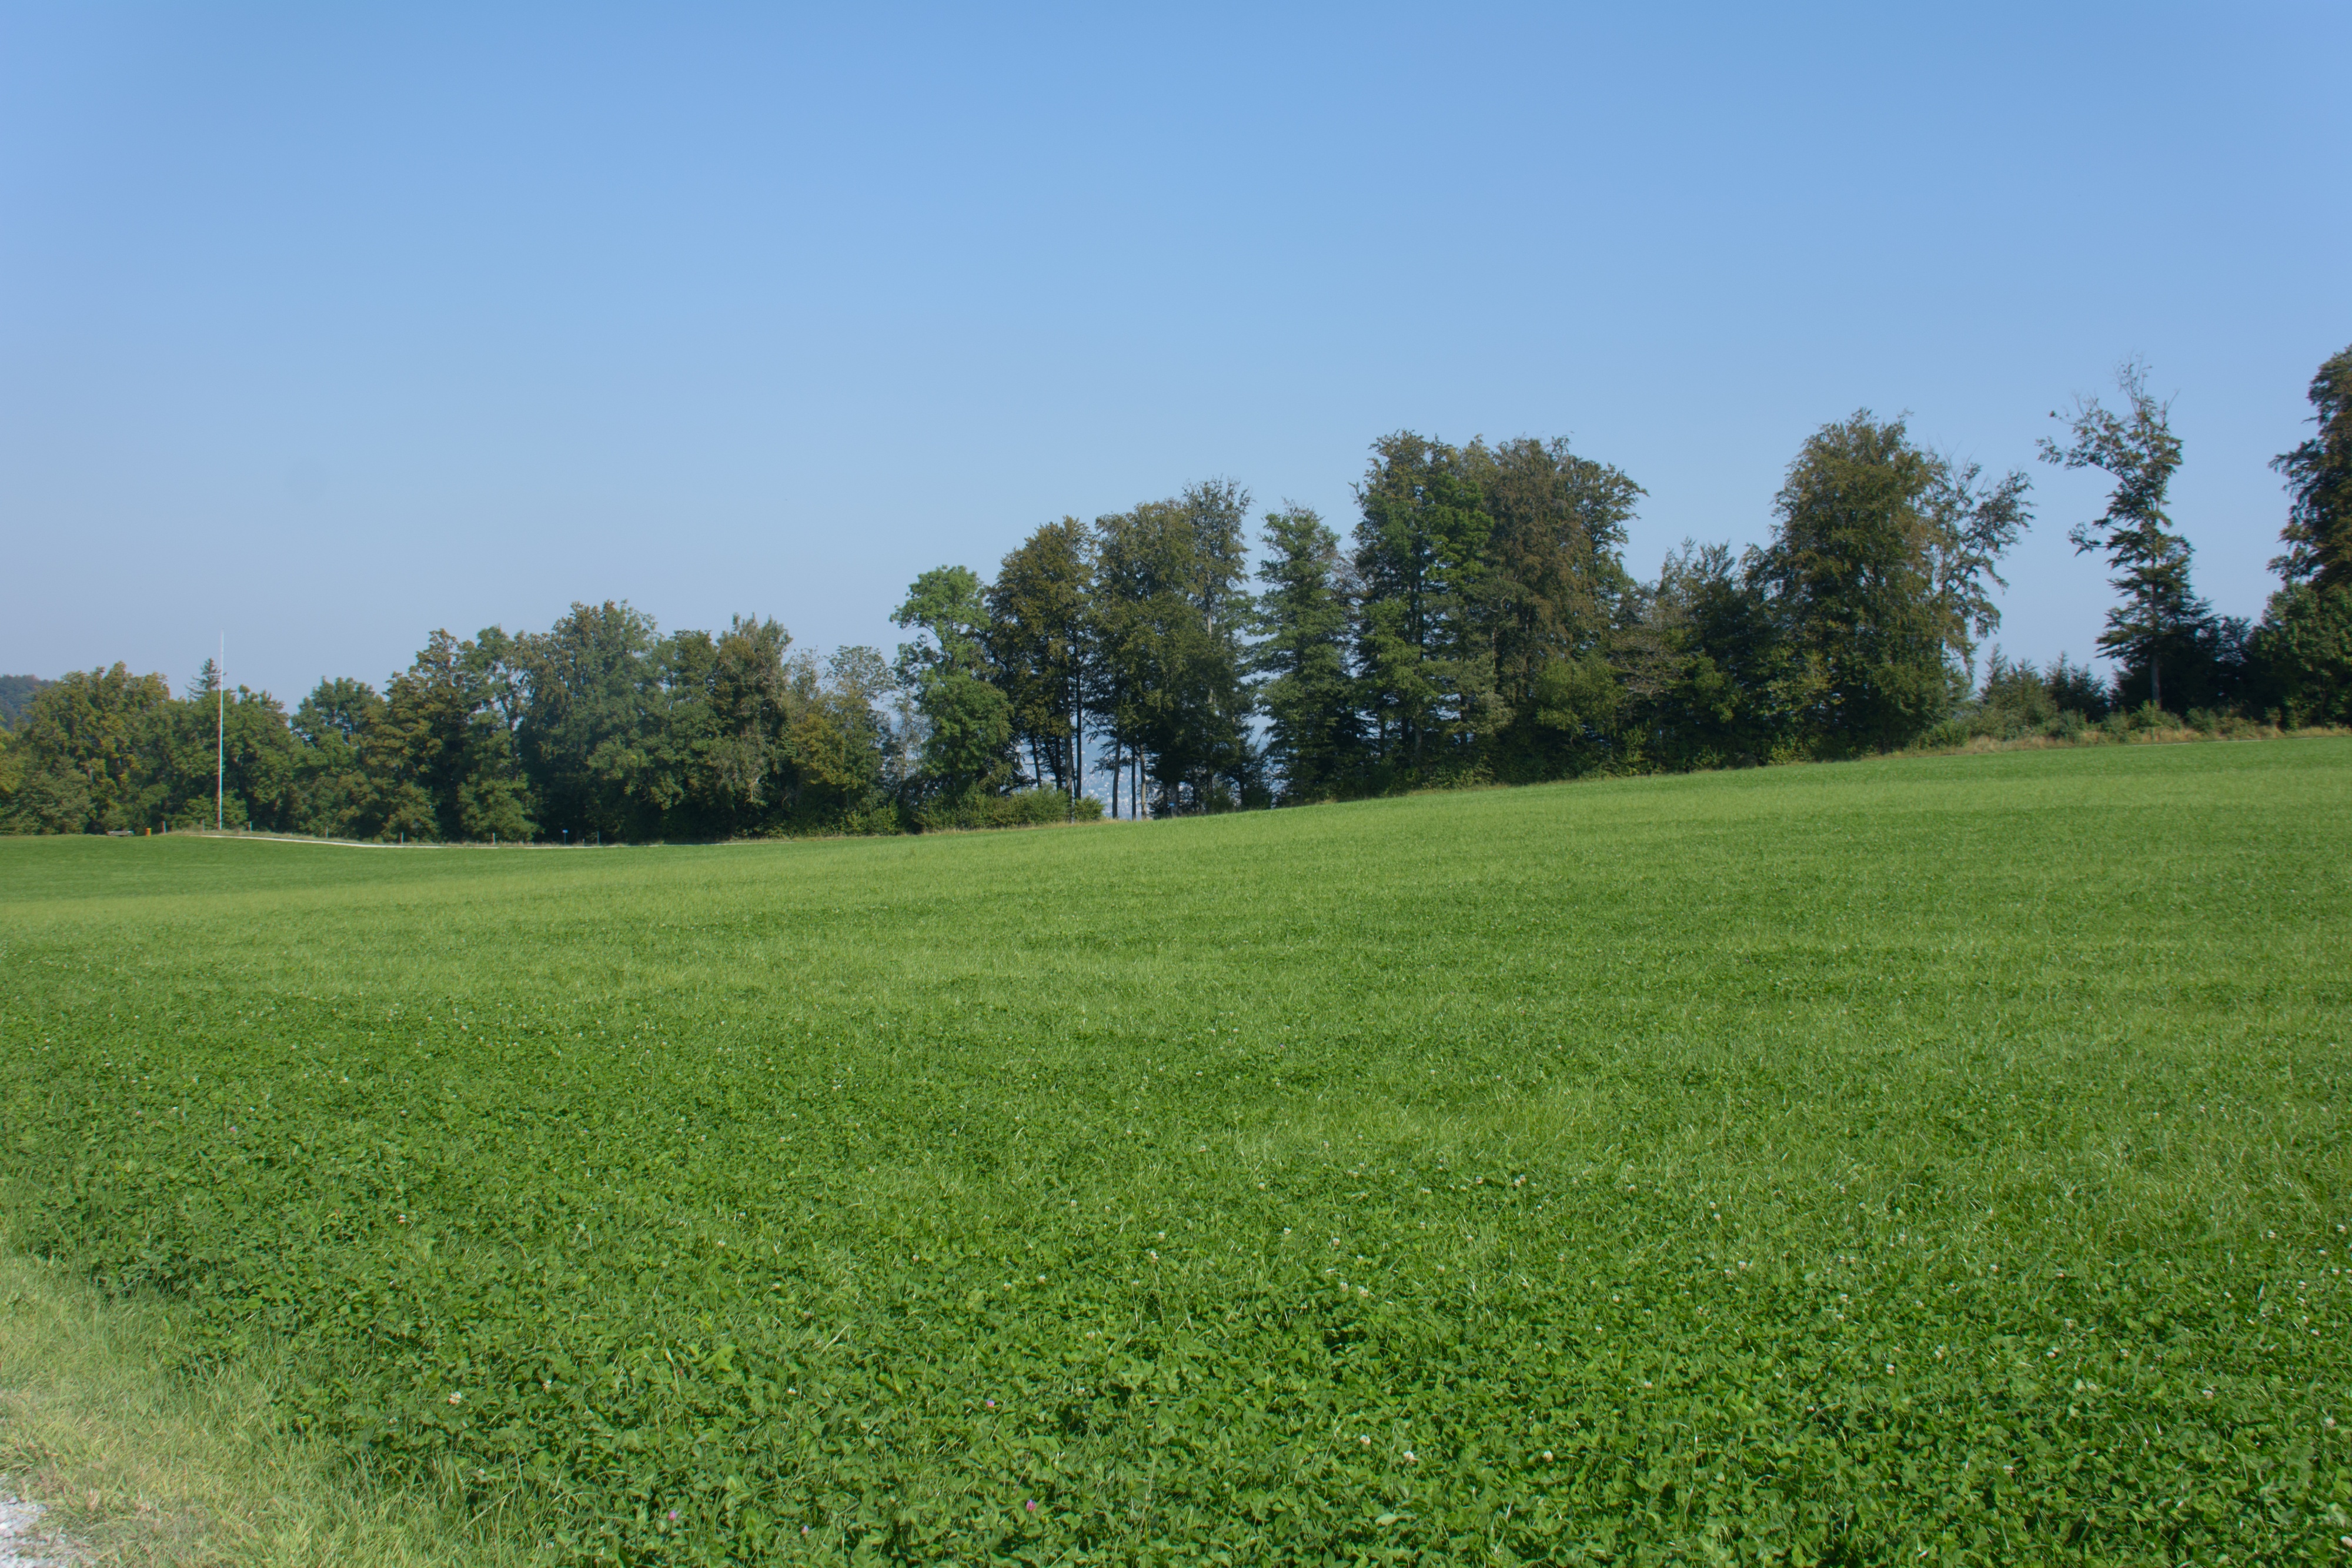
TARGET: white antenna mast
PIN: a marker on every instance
(220, 732)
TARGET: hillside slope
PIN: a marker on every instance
(1936, 1158)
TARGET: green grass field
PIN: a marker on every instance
(1918, 1161)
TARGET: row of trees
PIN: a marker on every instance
(598, 727)
(1477, 623)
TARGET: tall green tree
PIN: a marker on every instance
(2318, 533)
(17, 694)
(2301, 654)
(1555, 577)
(1173, 611)
(719, 754)
(1423, 568)
(1972, 523)
(2161, 619)
(1210, 752)
(442, 758)
(843, 775)
(1124, 656)
(593, 721)
(1040, 631)
(966, 743)
(334, 795)
(1878, 567)
(1314, 738)
(1707, 671)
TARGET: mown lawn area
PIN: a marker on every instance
(1922, 1161)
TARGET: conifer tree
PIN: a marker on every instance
(2304, 646)
(1421, 556)
(2318, 533)
(1313, 737)
(2161, 616)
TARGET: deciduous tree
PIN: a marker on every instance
(1879, 569)
(1039, 637)
(1172, 607)
(1555, 576)
(967, 740)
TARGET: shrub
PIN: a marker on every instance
(1022, 808)
(2019, 701)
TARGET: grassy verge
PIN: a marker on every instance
(139, 1465)
(2117, 729)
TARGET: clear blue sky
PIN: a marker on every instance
(327, 325)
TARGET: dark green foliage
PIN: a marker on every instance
(1556, 581)
(2017, 700)
(599, 729)
(1422, 570)
(2161, 624)
(845, 767)
(1707, 666)
(444, 755)
(82, 751)
(230, 761)
(2203, 664)
(2076, 689)
(590, 739)
(106, 751)
(334, 795)
(966, 746)
(1313, 737)
(1172, 609)
(2302, 655)
(17, 694)
(2318, 533)
(1040, 629)
(1878, 570)
(724, 743)
(1488, 581)
(1885, 1163)
(1018, 808)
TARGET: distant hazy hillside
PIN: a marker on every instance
(16, 695)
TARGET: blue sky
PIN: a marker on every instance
(326, 325)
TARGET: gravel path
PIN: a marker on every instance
(22, 1544)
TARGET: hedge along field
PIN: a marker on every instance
(1933, 1161)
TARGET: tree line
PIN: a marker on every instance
(1475, 624)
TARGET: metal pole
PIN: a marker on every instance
(220, 733)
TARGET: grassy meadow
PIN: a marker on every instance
(1929, 1161)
